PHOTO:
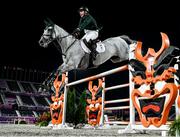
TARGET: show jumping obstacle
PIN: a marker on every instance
(101, 75)
(149, 60)
(156, 93)
(125, 67)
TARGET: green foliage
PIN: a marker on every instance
(43, 123)
(44, 119)
(175, 126)
(71, 106)
(75, 111)
(81, 109)
(76, 105)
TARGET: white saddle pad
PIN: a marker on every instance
(100, 47)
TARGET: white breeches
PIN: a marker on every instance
(89, 34)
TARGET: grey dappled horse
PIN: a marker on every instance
(74, 57)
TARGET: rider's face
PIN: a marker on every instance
(81, 13)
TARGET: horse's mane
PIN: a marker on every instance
(62, 29)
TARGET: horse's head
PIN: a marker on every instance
(49, 34)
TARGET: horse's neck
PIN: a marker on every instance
(65, 39)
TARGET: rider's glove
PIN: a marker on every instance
(76, 32)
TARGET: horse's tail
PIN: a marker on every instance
(127, 39)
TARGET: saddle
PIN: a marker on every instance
(95, 46)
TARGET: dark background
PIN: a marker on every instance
(22, 26)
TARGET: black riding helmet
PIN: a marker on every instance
(83, 8)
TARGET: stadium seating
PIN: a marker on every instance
(20, 100)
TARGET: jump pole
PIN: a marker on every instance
(125, 67)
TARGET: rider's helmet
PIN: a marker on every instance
(83, 8)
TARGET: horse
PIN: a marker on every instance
(73, 55)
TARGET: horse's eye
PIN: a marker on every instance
(49, 29)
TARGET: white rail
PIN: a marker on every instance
(117, 101)
(117, 87)
(117, 122)
(117, 108)
(125, 67)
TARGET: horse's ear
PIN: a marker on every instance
(48, 22)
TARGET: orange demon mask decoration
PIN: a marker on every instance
(56, 108)
(154, 91)
(94, 101)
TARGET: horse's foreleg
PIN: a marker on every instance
(68, 67)
(59, 70)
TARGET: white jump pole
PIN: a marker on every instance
(117, 122)
(117, 108)
(111, 101)
(176, 102)
(117, 87)
(65, 100)
(103, 104)
(131, 87)
(107, 102)
(116, 101)
(125, 67)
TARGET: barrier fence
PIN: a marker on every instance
(131, 124)
(102, 75)
(116, 70)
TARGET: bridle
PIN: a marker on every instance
(59, 42)
(59, 39)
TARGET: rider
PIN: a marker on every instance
(87, 24)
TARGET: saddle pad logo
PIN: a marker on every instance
(100, 47)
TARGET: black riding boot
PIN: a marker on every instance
(86, 43)
(92, 47)
(94, 52)
(91, 58)
(89, 45)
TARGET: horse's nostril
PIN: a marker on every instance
(40, 42)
